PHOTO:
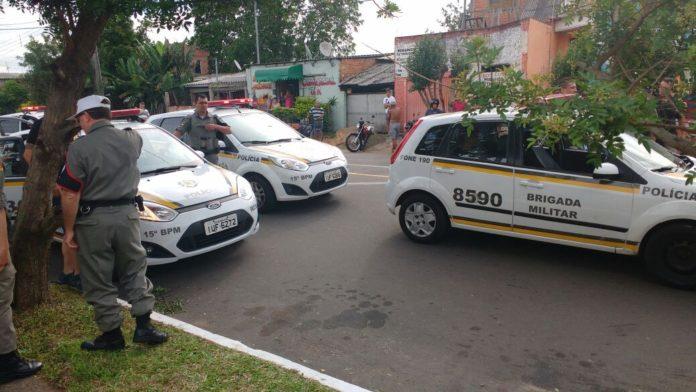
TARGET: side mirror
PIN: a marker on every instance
(607, 171)
(200, 153)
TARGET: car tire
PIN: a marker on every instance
(265, 196)
(423, 219)
(670, 254)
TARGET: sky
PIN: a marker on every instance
(416, 17)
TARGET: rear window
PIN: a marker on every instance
(430, 144)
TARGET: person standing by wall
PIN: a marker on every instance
(202, 128)
(316, 115)
(99, 184)
(394, 124)
(434, 107)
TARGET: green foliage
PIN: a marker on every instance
(226, 29)
(153, 70)
(453, 16)
(12, 95)
(37, 58)
(428, 61)
(285, 114)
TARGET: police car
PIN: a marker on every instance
(191, 206)
(280, 163)
(20, 123)
(489, 181)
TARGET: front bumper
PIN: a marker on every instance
(303, 185)
(167, 242)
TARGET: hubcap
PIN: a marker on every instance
(681, 256)
(259, 193)
(420, 219)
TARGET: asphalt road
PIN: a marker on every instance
(334, 284)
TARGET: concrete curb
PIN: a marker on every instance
(311, 374)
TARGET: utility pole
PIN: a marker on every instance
(256, 27)
(96, 69)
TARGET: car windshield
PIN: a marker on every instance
(162, 152)
(258, 127)
(657, 159)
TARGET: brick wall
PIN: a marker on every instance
(352, 67)
(202, 56)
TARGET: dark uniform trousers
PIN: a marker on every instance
(110, 248)
(8, 337)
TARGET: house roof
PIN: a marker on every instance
(379, 74)
(228, 80)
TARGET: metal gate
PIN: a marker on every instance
(370, 108)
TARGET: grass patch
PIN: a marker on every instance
(53, 333)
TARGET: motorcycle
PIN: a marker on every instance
(357, 141)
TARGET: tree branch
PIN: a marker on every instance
(640, 77)
(630, 32)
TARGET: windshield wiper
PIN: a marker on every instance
(664, 169)
(281, 140)
(167, 169)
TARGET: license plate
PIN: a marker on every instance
(220, 224)
(332, 175)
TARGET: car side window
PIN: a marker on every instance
(12, 160)
(430, 144)
(171, 123)
(563, 157)
(488, 142)
(9, 125)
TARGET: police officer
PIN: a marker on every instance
(99, 184)
(202, 129)
(434, 107)
(12, 366)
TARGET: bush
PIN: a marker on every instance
(285, 114)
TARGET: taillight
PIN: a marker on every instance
(403, 142)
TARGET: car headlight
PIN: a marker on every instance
(290, 164)
(157, 212)
(244, 188)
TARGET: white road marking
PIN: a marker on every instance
(366, 183)
(311, 374)
(355, 164)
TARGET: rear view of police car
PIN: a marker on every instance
(191, 206)
(489, 180)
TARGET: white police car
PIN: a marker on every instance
(280, 163)
(191, 206)
(489, 181)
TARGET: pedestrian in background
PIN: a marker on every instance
(394, 124)
(12, 366)
(99, 185)
(316, 115)
(434, 107)
(289, 99)
(203, 128)
(144, 113)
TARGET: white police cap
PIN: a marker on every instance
(91, 102)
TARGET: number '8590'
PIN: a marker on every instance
(479, 197)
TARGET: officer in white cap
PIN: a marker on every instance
(99, 184)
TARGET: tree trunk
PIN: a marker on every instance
(668, 139)
(35, 221)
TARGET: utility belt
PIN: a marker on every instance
(87, 206)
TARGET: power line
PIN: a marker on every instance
(21, 28)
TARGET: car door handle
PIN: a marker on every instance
(532, 184)
(443, 170)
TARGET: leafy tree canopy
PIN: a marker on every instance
(426, 66)
(226, 29)
(453, 15)
(12, 95)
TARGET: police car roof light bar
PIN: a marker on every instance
(126, 114)
(231, 102)
(403, 141)
(34, 108)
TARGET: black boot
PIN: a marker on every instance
(108, 341)
(12, 367)
(146, 333)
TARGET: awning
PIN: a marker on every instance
(293, 72)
